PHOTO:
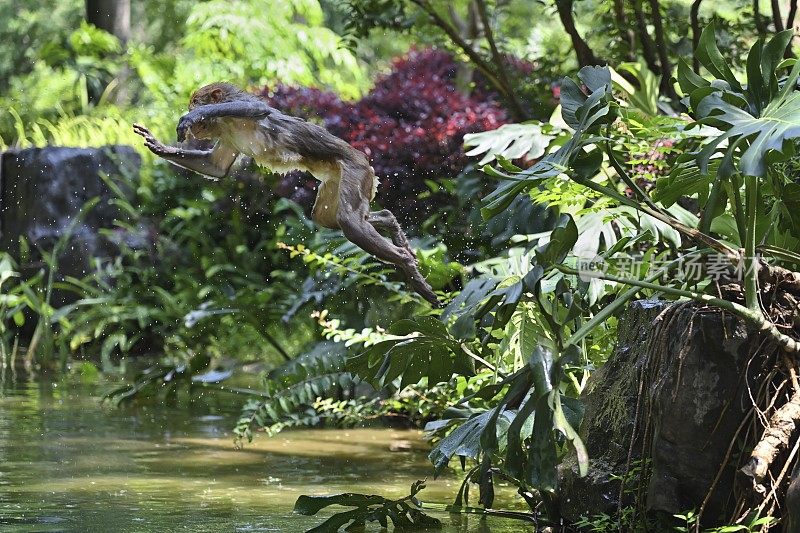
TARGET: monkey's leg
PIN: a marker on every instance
(352, 219)
(384, 220)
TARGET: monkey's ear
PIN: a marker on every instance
(216, 96)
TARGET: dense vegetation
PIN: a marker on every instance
(518, 142)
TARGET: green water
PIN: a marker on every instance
(70, 463)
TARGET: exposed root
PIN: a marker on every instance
(776, 438)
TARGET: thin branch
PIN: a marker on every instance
(275, 344)
(626, 32)
(474, 56)
(760, 27)
(755, 319)
(231, 390)
(792, 14)
(500, 64)
(790, 26)
(583, 52)
(698, 236)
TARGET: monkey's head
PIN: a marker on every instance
(216, 93)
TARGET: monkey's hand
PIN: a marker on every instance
(153, 144)
(186, 122)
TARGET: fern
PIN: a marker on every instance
(292, 391)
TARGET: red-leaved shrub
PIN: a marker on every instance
(411, 125)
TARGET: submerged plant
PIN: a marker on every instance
(405, 513)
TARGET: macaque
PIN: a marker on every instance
(241, 123)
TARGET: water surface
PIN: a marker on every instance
(70, 463)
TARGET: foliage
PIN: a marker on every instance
(65, 78)
(404, 513)
(32, 26)
(190, 275)
(12, 307)
(214, 271)
(274, 40)
(291, 391)
(590, 158)
(420, 348)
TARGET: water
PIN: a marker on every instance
(70, 463)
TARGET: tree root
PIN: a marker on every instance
(782, 426)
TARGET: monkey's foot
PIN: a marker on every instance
(418, 282)
(425, 290)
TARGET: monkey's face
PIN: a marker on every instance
(213, 93)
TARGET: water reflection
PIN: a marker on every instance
(68, 463)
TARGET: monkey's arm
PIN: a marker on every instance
(215, 162)
(237, 109)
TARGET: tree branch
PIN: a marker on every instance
(777, 436)
(500, 64)
(792, 14)
(762, 30)
(757, 320)
(648, 48)
(623, 26)
(661, 48)
(776, 16)
(474, 56)
(790, 26)
(583, 52)
(694, 18)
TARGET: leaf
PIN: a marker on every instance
(511, 141)
(562, 240)
(688, 80)
(311, 505)
(763, 128)
(464, 441)
(710, 57)
(562, 424)
(583, 114)
(405, 513)
(425, 349)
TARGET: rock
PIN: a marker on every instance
(682, 370)
(42, 189)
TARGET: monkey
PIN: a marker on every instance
(241, 123)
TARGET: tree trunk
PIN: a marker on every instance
(777, 20)
(113, 16)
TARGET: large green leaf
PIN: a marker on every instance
(759, 122)
(511, 141)
(583, 113)
(464, 441)
(424, 348)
